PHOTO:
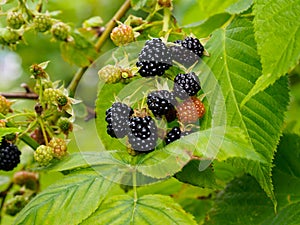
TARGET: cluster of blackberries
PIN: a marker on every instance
(9, 156)
(142, 132)
(155, 57)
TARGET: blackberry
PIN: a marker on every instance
(154, 59)
(9, 156)
(186, 85)
(143, 135)
(122, 35)
(59, 147)
(162, 103)
(117, 117)
(173, 135)
(188, 51)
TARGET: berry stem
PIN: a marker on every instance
(3, 195)
(167, 14)
(104, 36)
(43, 130)
(147, 25)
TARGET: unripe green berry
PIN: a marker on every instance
(59, 147)
(42, 23)
(110, 74)
(43, 155)
(65, 125)
(9, 36)
(15, 20)
(4, 105)
(122, 35)
(55, 97)
(60, 31)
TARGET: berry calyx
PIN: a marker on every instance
(65, 125)
(143, 134)
(190, 110)
(60, 31)
(154, 59)
(117, 118)
(15, 19)
(173, 135)
(162, 103)
(122, 35)
(186, 85)
(9, 156)
(43, 155)
(59, 147)
(4, 105)
(42, 23)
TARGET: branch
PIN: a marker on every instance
(20, 95)
(109, 26)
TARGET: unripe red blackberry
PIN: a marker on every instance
(186, 85)
(43, 155)
(110, 74)
(65, 125)
(143, 134)
(122, 35)
(117, 118)
(42, 23)
(154, 59)
(60, 31)
(28, 179)
(9, 156)
(4, 105)
(190, 110)
(59, 147)
(15, 20)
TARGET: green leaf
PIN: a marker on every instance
(254, 207)
(148, 209)
(69, 201)
(277, 32)
(234, 62)
(8, 130)
(78, 51)
(95, 21)
(239, 7)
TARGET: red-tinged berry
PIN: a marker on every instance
(42, 23)
(154, 59)
(173, 135)
(65, 125)
(37, 71)
(117, 118)
(190, 111)
(9, 156)
(43, 155)
(15, 19)
(28, 179)
(162, 103)
(122, 35)
(59, 147)
(4, 105)
(60, 31)
(186, 85)
(143, 134)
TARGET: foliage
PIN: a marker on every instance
(243, 154)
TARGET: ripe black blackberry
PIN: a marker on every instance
(154, 59)
(162, 103)
(143, 135)
(173, 135)
(187, 52)
(9, 156)
(186, 85)
(117, 117)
